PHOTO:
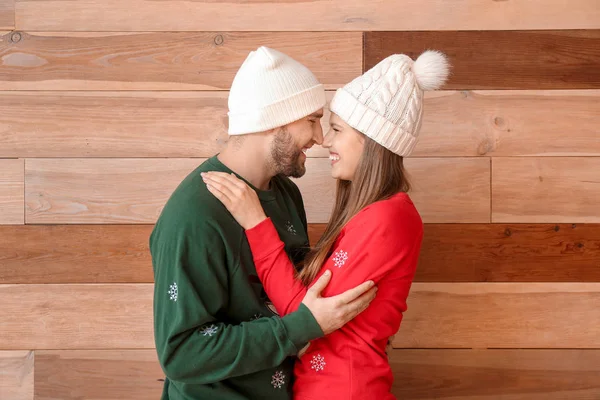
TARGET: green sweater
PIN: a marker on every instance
(217, 335)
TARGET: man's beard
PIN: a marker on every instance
(285, 157)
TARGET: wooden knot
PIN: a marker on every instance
(219, 40)
(16, 37)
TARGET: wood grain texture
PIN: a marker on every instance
(441, 315)
(11, 191)
(7, 14)
(550, 189)
(318, 190)
(450, 253)
(496, 374)
(101, 190)
(142, 124)
(319, 15)
(75, 254)
(194, 124)
(510, 123)
(419, 374)
(501, 315)
(59, 191)
(502, 60)
(16, 375)
(448, 190)
(133, 190)
(163, 61)
(510, 253)
(97, 374)
(76, 316)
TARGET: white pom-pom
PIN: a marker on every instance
(431, 70)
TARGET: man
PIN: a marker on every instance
(217, 335)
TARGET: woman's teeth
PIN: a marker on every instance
(333, 157)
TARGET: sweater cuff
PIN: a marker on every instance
(263, 239)
(302, 327)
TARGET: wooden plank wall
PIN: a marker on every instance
(106, 105)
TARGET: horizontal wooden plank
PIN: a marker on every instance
(496, 374)
(549, 189)
(295, 16)
(194, 124)
(450, 253)
(164, 61)
(76, 316)
(510, 123)
(450, 189)
(16, 375)
(440, 315)
(97, 374)
(501, 315)
(318, 189)
(7, 14)
(502, 60)
(510, 253)
(12, 191)
(419, 374)
(101, 190)
(134, 190)
(142, 124)
(75, 254)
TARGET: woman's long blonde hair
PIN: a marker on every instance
(380, 174)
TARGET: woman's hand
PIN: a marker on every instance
(239, 199)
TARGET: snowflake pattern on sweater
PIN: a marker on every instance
(209, 330)
(173, 292)
(278, 380)
(339, 258)
(318, 363)
(290, 228)
(256, 316)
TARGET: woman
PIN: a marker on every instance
(374, 232)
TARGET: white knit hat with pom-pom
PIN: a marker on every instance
(386, 102)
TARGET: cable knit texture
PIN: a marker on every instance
(270, 90)
(386, 102)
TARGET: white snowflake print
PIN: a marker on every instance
(339, 258)
(209, 330)
(318, 363)
(278, 380)
(173, 292)
(290, 228)
(256, 316)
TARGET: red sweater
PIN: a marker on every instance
(381, 243)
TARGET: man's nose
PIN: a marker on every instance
(318, 136)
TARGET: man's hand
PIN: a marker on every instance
(334, 312)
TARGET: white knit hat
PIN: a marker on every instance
(386, 102)
(270, 90)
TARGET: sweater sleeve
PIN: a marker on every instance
(194, 343)
(274, 268)
(372, 246)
